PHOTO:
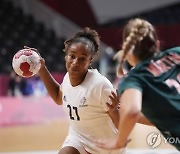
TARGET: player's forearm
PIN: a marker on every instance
(127, 123)
(51, 85)
(129, 112)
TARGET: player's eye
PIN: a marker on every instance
(71, 57)
(82, 59)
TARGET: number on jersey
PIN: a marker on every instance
(73, 109)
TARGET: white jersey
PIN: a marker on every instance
(85, 106)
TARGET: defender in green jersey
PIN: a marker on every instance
(151, 87)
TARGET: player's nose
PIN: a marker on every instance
(75, 61)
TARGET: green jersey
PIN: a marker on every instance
(158, 79)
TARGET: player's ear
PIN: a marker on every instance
(91, 61)
(158, 44)
(65, 57)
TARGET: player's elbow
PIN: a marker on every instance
(131, 114)
(58, 102)
(58, 99)
(132, 111)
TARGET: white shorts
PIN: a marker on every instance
(81, 145)
(73, 142)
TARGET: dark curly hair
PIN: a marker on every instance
(87, 36)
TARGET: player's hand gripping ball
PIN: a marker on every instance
(26, 63)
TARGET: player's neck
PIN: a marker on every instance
(75, 81)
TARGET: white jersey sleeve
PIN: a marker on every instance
(103, 90)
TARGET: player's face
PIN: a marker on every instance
(78, 59)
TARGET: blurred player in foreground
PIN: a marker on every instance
(151, 87)
(84, 94)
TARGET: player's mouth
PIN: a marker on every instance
(74, 69)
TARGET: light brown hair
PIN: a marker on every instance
(140, 38)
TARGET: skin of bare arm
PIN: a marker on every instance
(129, 113)
(52, 86)
(114, 111)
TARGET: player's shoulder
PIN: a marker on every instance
(98, 78)
(174, 50)
(65, 78)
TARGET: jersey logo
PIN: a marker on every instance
(64, 98)
(82, 102)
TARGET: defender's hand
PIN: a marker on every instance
(114, 104)
(111, 144)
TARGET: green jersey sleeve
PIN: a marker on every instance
(175, 49)
(127, 83)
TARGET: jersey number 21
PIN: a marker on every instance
(75, 110)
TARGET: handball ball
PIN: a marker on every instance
(26, 63)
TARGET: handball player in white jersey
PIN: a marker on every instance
(84, 94)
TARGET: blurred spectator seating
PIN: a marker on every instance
(18, 29)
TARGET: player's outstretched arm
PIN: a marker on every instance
(52, 86)
(113, 112)
(129, 112)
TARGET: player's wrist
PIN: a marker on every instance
(60, 87)
(43, 70)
